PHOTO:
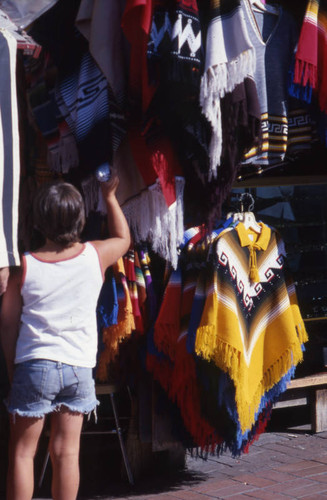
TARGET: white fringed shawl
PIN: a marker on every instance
(230, 58)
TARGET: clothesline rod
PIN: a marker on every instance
(262, 169)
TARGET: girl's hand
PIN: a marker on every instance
(109, 188)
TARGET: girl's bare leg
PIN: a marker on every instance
(64, 448)
(24, 436)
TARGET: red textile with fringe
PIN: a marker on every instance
(311, 55)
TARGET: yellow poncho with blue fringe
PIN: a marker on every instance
(251, 326)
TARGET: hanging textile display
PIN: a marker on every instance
(309, 77)
(286, 124)
(80, 89)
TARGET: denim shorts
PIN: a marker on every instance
(41, 386)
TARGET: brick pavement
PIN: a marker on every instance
(279, 466)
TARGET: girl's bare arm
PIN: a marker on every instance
(11, 308)
(118, 242)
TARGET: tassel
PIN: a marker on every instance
(254, 275)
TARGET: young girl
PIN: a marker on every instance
(49, 335)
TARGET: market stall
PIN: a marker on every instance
(201, 107)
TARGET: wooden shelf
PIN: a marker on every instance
(309, 381)
(262, 181)
(319, 318)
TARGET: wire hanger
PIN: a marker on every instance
(245, 214)
(259, 6)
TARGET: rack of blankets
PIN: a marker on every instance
(227, 335)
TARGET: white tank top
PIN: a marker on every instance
(58, 320)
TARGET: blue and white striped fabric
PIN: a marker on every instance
(9, 152)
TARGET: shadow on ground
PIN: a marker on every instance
(103, 474)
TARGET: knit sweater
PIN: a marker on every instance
(286, 126)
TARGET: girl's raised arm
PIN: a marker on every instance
(118, 242)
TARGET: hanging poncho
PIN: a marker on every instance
(251, 326)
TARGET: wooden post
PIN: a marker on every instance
(319, 407)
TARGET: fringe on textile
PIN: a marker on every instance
(63, 155)
(215, 83)
(298, 321)
(150, 219)
(182, 388)
(112, 337)
(90, 189)
(228, 359)
(305, 74)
